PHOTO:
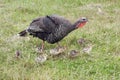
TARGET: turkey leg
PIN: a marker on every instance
(42, 46)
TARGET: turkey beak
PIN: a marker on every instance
(86, 20)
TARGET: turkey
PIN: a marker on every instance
(52, 28)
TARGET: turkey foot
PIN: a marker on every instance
(40, 49)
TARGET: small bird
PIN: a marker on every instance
(41, 58)
(88, 49)
(57, 51)
(73, 53)
(17, 54)
(52, 28)
(81, 41)
(39, 50)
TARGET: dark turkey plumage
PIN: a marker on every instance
(52, 28)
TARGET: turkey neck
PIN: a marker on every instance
(74, 26)
(70, 28)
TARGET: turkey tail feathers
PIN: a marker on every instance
(23, 33)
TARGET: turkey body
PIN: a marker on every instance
(50, 28)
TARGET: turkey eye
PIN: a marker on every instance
(83, 19)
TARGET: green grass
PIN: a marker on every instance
(102, 30)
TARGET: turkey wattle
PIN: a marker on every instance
(52, 28)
